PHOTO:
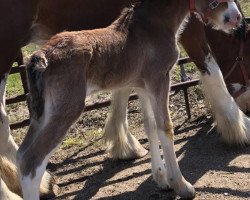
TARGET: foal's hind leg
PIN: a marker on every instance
(121, 144)
(8, 149)
(62, 107)
(159, 92)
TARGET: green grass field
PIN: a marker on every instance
(14, 85)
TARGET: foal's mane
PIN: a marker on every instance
(126, 16)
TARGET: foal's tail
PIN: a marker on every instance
(35, 72)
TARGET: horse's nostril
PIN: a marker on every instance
(239, 17)
(226, 19)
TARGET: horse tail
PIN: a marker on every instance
(35, 71)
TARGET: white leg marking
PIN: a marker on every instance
(232, 123)
(8, 147)
(159, 170)
(121, 144)
(31, 185)
(175, 178)
(91, 88)
(6, 194)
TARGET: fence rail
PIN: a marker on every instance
(175, 87)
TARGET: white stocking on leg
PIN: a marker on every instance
(232, 123)
(120, 142)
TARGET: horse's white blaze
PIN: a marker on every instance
(159, 171)
(234, 17)
(31, 185)
(233, 10)
(231, 121)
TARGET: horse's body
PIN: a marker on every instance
(137, 50)
(52, 17)
(219, 42)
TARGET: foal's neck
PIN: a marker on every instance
(163, 15)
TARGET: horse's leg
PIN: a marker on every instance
(62, 106)
(8, 147)
(6, 194)
(121, 144)
(244, 101)
(158, 168)
(158, 94)
(232, 123)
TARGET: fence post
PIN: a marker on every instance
(185, 78)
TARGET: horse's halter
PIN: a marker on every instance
(211, 6)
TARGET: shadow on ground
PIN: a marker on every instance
(204, 160)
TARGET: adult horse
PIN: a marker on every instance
(136, 50)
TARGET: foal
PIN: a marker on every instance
(137, 50)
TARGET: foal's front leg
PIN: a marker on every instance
(158, 168)
(120, 142)
(159, 98)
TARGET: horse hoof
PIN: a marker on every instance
(160, 177)
(184, 189)
(48, 188)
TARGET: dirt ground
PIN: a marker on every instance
(84, 171)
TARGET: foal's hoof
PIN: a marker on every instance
(160, 177)
(139, 153)
(127, 150)
(48, 187)
(184, 189)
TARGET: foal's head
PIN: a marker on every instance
(223, 13)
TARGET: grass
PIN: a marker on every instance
(14, 83)
(245, 5)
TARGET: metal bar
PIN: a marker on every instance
(186, 98)
(18, 69)
(21, 124)
(16, 99)
(22, 73)
(248, 20)
(185, 78)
